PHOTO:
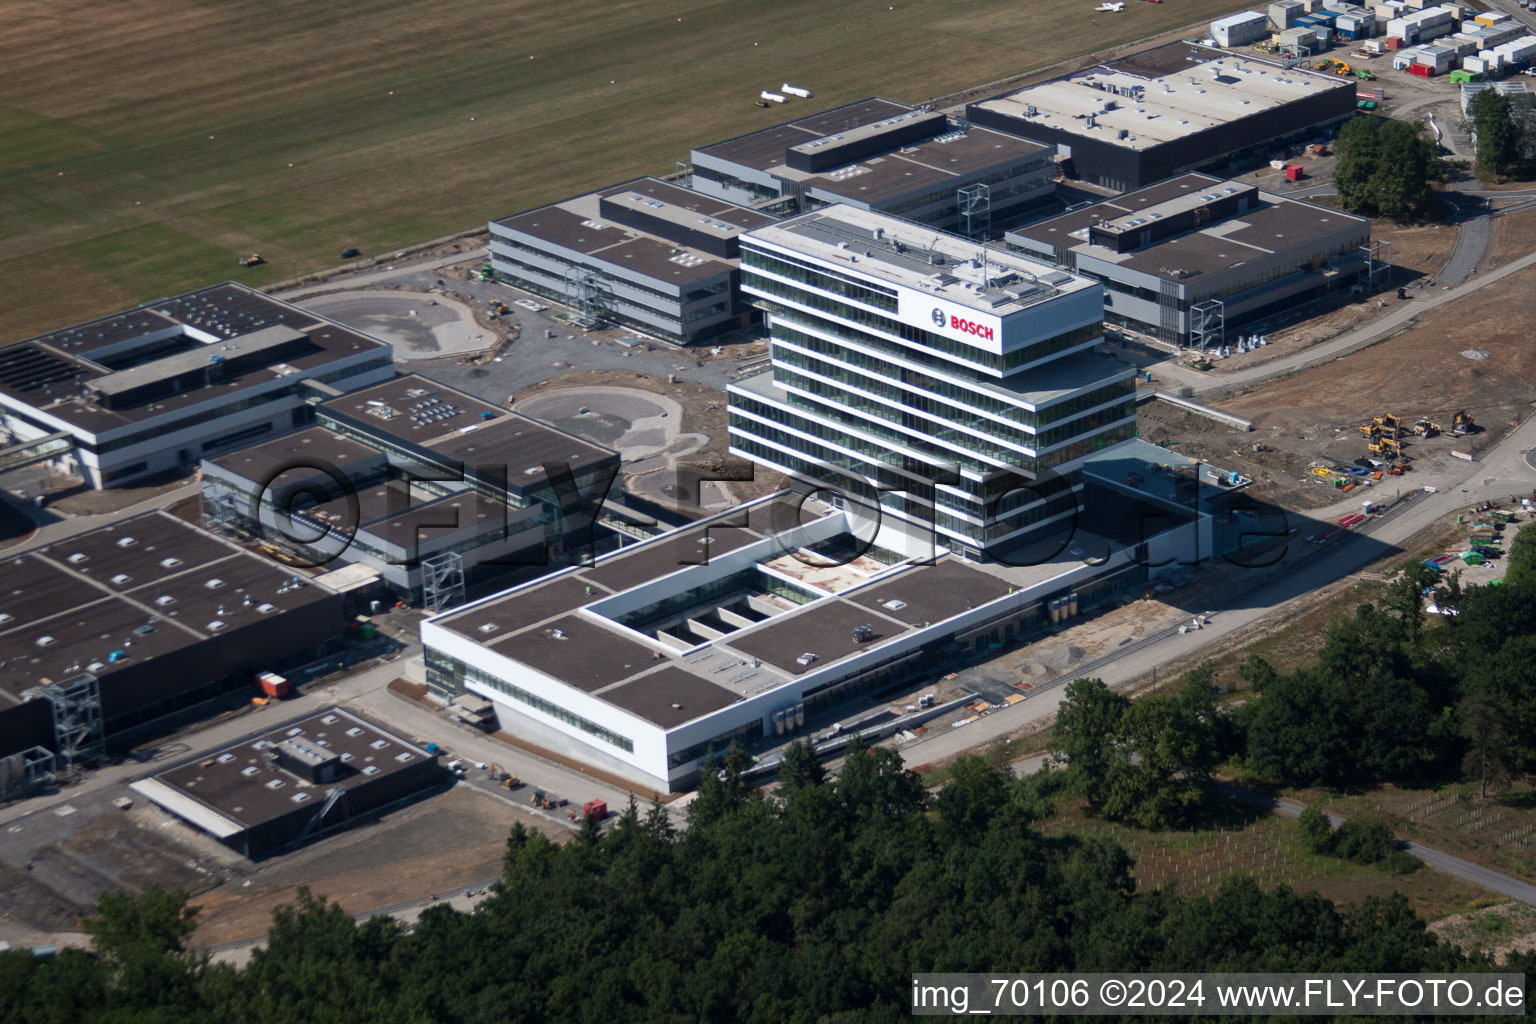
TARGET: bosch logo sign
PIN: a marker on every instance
(955, 323)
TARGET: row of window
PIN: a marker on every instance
(450, 674)
(249, 401)
(731, 181)
(894, 330)
(852, 480)
(918, 407)
(1036, 169)
(820, 277)
(836, 398)
(973, 399)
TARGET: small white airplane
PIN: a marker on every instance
(1110, 7)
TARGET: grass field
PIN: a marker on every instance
(146, 145)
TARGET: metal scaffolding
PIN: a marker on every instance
(442, 581)
(79, 734)
(1207, 324)
(975, 202)
(1378, 263)
(21, 773)
(221, 510)
(684, 174)
(587, 296)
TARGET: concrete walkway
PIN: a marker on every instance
(1359, 338)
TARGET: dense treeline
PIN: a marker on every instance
(814, 904)
(1388, 699)
(820, 901)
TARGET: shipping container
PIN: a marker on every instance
(273, 685)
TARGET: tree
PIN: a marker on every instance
(800, 768)
(142, 943)
(1520, 565)
(1489, 753)
(1385, 167)
(1087, 727)
(1494, 132)
(1316, 830)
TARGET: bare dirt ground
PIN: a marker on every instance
(1312, 415)
(450, 840)
(1498, 930)
(1514, 236)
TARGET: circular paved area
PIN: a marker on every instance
(643, 428)
(419, 326)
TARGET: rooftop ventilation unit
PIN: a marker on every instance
(169, 563)
(46, 641)
(126, 542)
(165, 600)
(214, 584)
(215, 626)
(77, 558)
(121, 578)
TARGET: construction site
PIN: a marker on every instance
(1457, 379)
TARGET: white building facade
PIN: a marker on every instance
(952, 384)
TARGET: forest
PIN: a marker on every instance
(817, 901)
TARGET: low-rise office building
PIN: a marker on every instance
(646, 254)
(104, 633)
(774, 617)
(160, 387)
(394, 476)
(877, 154)
(303, 778)
(1189, 257)
(1148, 116)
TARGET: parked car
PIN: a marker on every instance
(348, 254)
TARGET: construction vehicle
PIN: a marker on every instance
(1425, 428)
(1339, 67)
(253, 260)
(1323, 65)
(1388, 424)
(1386, 446)
(1461, 424)
(1364, 74)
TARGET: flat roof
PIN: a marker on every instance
(887, 248)
(1161, 95)
(541, 624)
(958, 151)
(577, 223)
(52, 371)
(1276, 223)
(452, 424)
(241, 784)
(669, 696)
(308, 446)
(143, 587)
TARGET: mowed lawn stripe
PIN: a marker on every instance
(126, 109)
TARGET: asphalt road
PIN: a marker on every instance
(1500, 471)
(1456, 867)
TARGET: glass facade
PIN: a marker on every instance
(867, 403)
(447, 676)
